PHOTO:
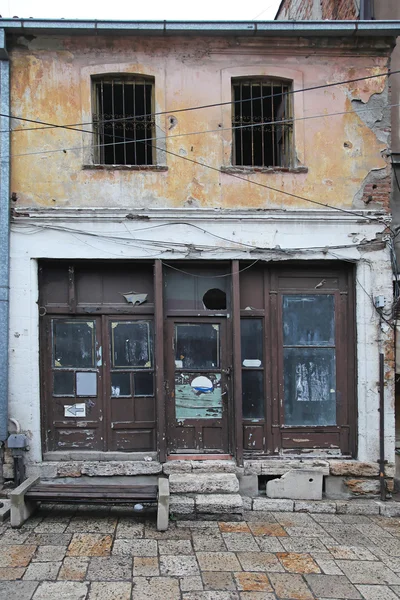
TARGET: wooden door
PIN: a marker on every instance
(197, 385)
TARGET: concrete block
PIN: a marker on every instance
(271, 505)
(219, 503)
(276, 466)
(248, 485)
(297, 485)
(177, 466)
(353, 468)
(111, 468)
(252, 467)
(46, 470)
(310, 506)
(181, 505)
(69, 469)
(203, 483)
(247, 503)
(213, 466)
(367, 507)
(163, 504)
(335, 488)
(367, 488)
(8, 471)
(22, 509)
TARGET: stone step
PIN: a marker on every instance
(199, 466)
(219, 504)
(203, 483)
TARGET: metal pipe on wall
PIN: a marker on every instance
(382, 426)
(4, 231)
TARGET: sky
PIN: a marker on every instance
(171, 10)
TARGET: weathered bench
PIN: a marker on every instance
(25, 498)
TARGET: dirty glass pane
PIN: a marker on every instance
(198, 397)
(253, 394)
(191, 289)
(120, 384)
(310, 386)
(197, 346)
(73, 343)
(63, 383)
(131, 344)
(252, 342)
(86, 384)
(143, 384)
(309, 320)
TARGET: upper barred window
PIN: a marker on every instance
(261, 123)
(123, 120)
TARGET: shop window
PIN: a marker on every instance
(261, 123)
(253, 395)
(123, 120)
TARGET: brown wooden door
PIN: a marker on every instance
(197, 385)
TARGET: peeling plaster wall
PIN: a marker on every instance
(278, 236)
(51, 82)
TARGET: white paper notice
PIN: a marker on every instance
(251, 362)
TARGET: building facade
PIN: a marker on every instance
(200, 247)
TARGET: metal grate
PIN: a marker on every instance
(122, 120)
(257, 105)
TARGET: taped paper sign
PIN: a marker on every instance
(75, 410)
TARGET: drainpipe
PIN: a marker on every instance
(4, 231)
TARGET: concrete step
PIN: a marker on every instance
(199, 466)
(220, 504)
(203, 483)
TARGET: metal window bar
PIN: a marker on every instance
(273, 147)
(120, 117)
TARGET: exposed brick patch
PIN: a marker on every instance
(378, 192)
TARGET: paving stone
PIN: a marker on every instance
(228, 527)
(154, 588)
(327, 565)
(49, 539)
(178, 565)
(260, 561)
(191, 584)
(90, 544)
(252, 582)
(218, 581)
(271, 505)
(129, 528)
(269, 544)
(172, 533)
(355, 519)
(304, 545)
(237, 542)
(118, 590)
(146, 566)
(14, 536)
(114, 568)
(307, 531)
(350, 553)
(259, 516)
(268, 529)
(368, 572)
(257, 596)
(332, 586)
(135, 547)
(49, 553)
(50, 527)
(314, 507)
(11, 573)
(296, 520)
(290, 586)
(210, 595)
(198, 524)
(218, 561)
(175, 547)
(95, 525)
(390, 546)
(16, 556)
(67, 590)
(298, 563)
(326, 518)
(21, 590)
(208, 543)
(42, 571)
(376, 592)
(369, 507)
(73, 569)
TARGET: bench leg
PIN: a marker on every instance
(163, 504)
(21, 509)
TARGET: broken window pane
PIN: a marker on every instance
(214, 299)
(63, 383)
(197, 346)
(86, 384)
(131, 344)
(120, 384)
(310, 386)
(143, 384)
(198, 396)
(253, 394)
(252, 342)
(309, 320)
(73, 343)
(191, 290)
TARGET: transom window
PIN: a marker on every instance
(261, 123)
(123, 120)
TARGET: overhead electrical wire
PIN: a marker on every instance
(200, 107)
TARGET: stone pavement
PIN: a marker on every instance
(86, 554)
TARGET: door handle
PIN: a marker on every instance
(227, 371)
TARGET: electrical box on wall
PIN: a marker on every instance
(380, 301)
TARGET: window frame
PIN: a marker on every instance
(99, 137)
